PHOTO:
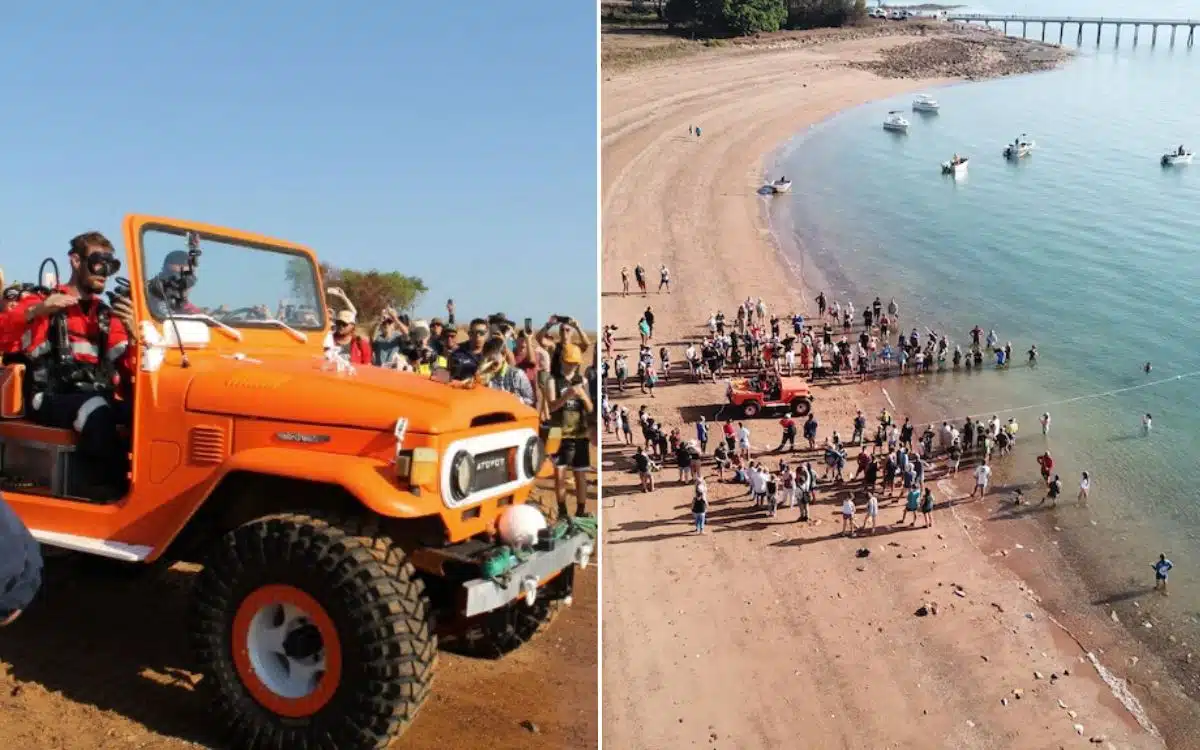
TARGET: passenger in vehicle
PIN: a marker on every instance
(78, 361)
(167, 293)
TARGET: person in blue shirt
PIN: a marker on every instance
(20, 566)
(702, 434)
(1161, 569)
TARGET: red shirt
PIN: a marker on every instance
(787, 423)
(360, 350)
(83, 333)
(728, 428)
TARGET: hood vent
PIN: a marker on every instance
(206, 445)
(496, 417)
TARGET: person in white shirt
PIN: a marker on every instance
(759, 481)
(982, 474)
(1146, 424)
(1085, 484)
(789, 358)
(848, 511)
(872, 511)
(1045, 423)
(743, 436)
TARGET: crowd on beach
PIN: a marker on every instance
(833, 346)
(894, 457)
(544, 368)
(894, 464)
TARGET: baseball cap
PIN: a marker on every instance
(345, 316)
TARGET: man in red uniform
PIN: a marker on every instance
(77, 355)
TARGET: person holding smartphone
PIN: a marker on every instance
(571, 409)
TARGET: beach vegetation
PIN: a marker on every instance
(812, 14)
(369, 291)
(727, 17)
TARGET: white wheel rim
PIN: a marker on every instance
(287, 675)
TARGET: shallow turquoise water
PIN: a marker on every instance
(1088, 248)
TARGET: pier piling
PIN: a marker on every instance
(1100, 22)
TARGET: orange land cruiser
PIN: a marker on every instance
(344, 517)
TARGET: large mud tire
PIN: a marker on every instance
(801, 407)
(502, 631)
(750, 409)
(360, 597)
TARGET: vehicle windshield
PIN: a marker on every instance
(235, 283)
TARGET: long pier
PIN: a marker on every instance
(1079, 22)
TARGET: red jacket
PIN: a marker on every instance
(83, 332)
(360, 350)
(12, 324)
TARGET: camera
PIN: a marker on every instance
(122, 290)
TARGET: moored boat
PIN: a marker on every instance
(1019, 148)
(1178, 157)
(782, 185)
(895, 122)
(956, 166)
(925, 103)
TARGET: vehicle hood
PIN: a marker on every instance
(367, 398)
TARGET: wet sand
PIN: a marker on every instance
(768, 632)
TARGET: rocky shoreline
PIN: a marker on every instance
(969, 54)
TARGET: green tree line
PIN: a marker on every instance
(369, 291)
(745, 17)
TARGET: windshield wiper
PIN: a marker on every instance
(232, 333)
(298, 335)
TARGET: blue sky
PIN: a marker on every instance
(454, 141)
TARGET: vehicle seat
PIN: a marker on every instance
(13, 424)
(12, 390)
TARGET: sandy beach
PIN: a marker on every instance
(769, 633)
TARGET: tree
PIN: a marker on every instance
(808, 14)
(745, 17)
(371, 291)
(681, 12)
(728, 17)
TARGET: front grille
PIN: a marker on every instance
(492, 469)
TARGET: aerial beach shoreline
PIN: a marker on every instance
(1142, 643)
(703, 233)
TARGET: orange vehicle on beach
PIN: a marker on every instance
(343, 517)
(755, 395)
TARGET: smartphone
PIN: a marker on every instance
(529, 325)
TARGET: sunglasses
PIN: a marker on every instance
(479, 332)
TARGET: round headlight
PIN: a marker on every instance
(534, 454)
(462, 475)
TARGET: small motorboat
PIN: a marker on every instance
(956, 166)
(1178, 157)
(895, 122)
(782, 185)
(925, 103)
(1019, 148)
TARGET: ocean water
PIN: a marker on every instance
(1088, 248)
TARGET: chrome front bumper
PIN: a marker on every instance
(484, 594)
